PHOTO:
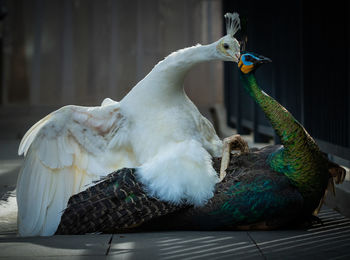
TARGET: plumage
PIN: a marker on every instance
(102, 208)
(264, 188)
(116, 203)
(300, 159)
(155, 128)
(267, 188)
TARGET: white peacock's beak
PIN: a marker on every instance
(237, 55)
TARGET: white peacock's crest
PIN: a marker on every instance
(233, 23)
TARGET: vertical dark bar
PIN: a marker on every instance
(1, 50)
(3, 14)
(252, 37)
(1, 62)
(140, 41)
(209, 22)
(92, 24)
(256, 123)
(113, 51)
(348, 79)
(276, 139)
(274, 71)
(35, 79)
(238, 103)
(301, 53)
(67, 57)
(231, 98)
(209, 40)
(227, 93)
(230, 89)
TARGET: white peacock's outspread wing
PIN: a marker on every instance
(65, 152)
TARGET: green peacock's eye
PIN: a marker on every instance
(226, 46)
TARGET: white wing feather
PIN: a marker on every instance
(64, 152)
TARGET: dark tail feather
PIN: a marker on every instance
(116, 203)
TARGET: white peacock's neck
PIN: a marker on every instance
(164, 84)
(178, 63)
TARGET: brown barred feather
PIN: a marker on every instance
(115, 203)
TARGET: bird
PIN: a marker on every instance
(155, 128)
(271, 187)
(264, 189)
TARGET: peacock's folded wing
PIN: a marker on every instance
(116, 203)
(259, 196)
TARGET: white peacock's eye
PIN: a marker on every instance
(226, 46)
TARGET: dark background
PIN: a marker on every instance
(309, 75)
(59, 52)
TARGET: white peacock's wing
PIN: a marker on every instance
(65, 152)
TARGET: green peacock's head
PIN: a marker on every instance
(249, 62)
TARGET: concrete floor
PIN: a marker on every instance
(330, 240)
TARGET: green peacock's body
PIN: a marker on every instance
(264, 188)
(299, 159)
(270, 187)
(250, 196)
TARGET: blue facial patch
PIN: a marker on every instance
(248, 62)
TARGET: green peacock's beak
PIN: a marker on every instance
(263, 60)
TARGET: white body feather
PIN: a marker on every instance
(155, 128)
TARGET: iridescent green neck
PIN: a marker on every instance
(285, 125)
(300, 157)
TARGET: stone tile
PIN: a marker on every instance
(55, 246)
(183, 245)
(331, 239)
(7, 234)
(9, 170)
(341, 201)
(59, 257)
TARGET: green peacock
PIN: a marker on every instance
(264, 188)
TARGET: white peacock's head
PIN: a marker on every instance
(228, 49)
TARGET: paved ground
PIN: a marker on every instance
(330, 240)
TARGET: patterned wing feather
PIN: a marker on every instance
(118, 202)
